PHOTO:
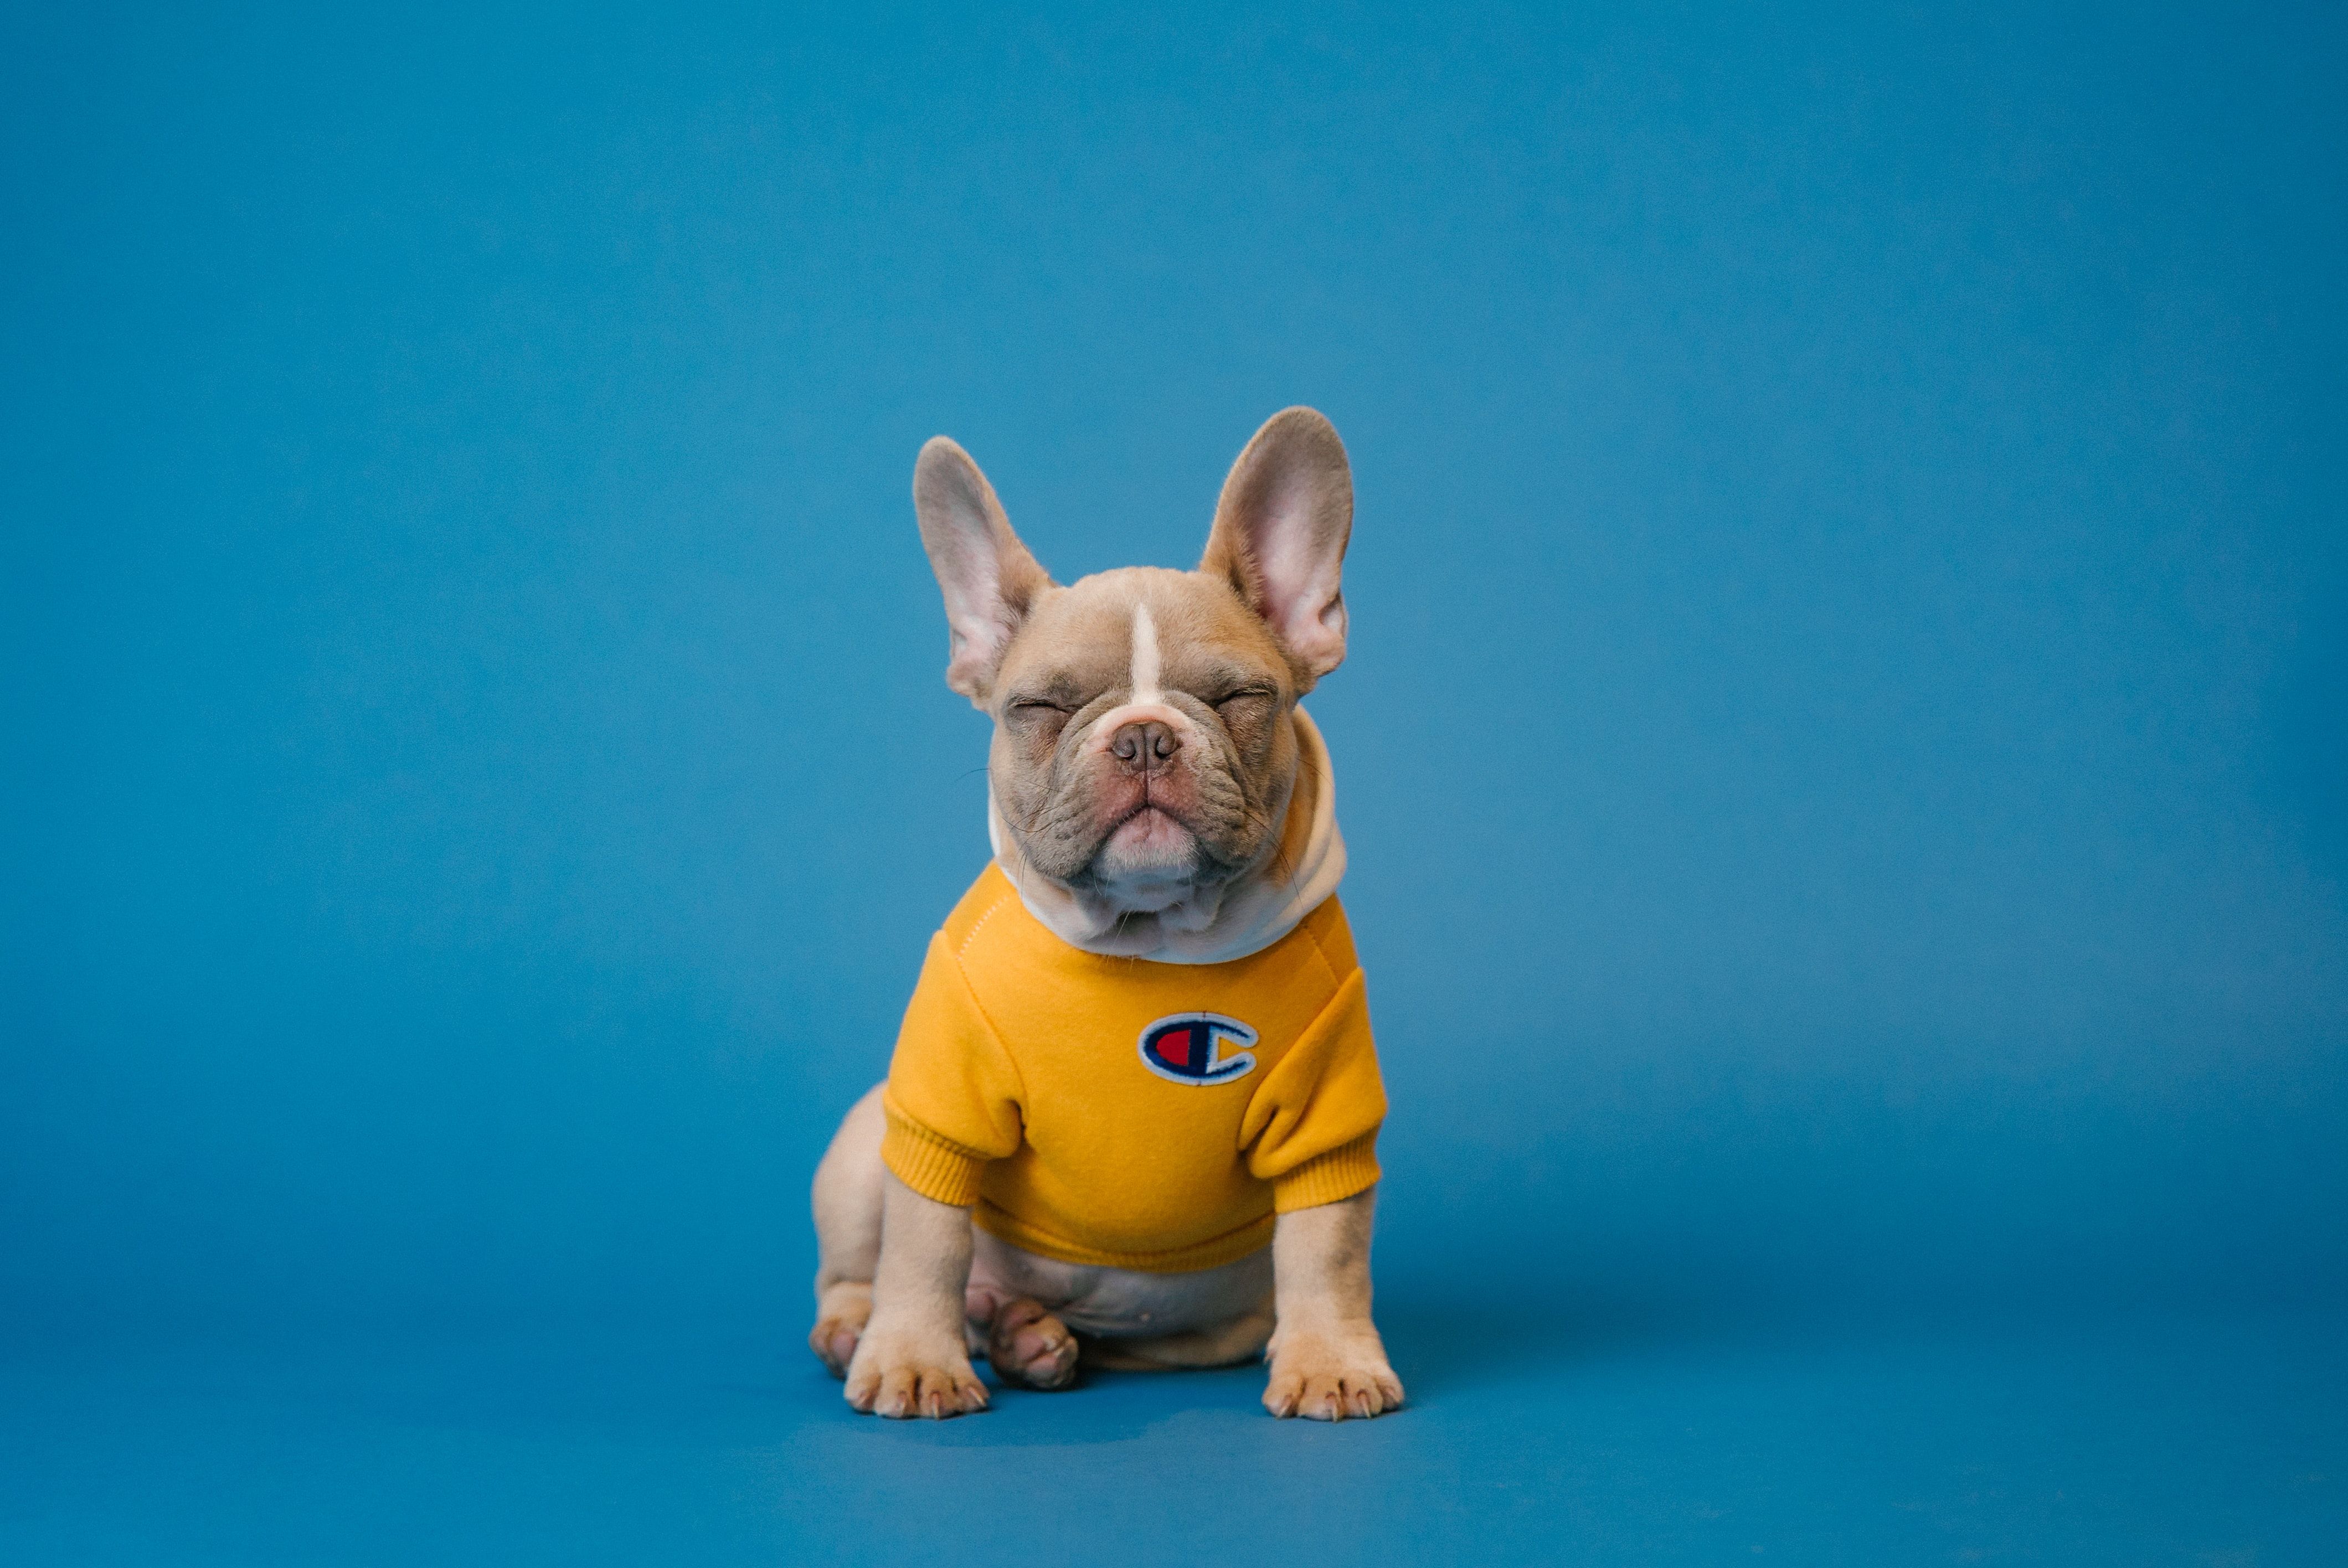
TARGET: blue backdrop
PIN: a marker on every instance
(1845, 748)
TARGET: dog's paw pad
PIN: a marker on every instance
(1031, 1348)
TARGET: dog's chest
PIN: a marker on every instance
(1159, 1062)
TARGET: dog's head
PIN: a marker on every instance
(1144, 751)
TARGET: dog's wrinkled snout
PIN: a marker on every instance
(1144, 747)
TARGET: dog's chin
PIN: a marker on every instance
(1150, 862)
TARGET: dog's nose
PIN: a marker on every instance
(1144, 747)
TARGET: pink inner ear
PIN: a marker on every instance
(1299, 567)
(1284, 552)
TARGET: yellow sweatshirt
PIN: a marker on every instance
(1126, 1112)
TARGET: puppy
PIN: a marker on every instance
(1132, 1114)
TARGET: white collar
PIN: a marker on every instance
(1251, 916)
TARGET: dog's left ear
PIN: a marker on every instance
(1279, 535)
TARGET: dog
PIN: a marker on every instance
(1131, 1116)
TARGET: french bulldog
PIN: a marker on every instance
(1160, 813)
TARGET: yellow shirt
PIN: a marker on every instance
(1120, 1111)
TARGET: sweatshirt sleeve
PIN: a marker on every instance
(953, 1094)
(1311, 1130)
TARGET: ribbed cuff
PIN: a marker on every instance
(1328, 1178)
(942, 1171)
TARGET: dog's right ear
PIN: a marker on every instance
(990, 579)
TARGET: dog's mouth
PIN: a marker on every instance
(1132, 842)
(1149, 833)
(1147, 841)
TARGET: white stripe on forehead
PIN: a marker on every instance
(1145, 656)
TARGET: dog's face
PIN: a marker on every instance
(1143, 754)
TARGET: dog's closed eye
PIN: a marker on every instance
(1037, 718)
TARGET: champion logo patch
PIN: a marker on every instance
(1198, 1047)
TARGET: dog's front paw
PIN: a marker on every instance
(1329, 1376)
(900, 1374)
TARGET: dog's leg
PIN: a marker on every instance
(847, 1233)
(1327, 1360)
(912, 1361)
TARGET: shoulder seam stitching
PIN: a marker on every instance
(971, 934)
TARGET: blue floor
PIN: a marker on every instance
(2210, 1442)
